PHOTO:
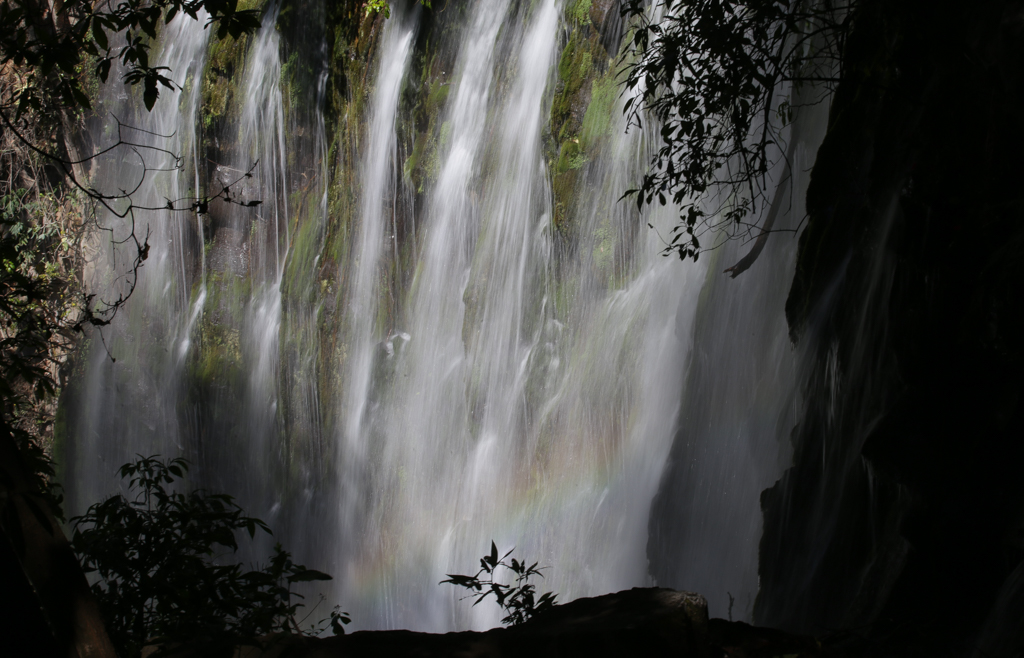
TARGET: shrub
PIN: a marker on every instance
(517, 600)
(162, 578)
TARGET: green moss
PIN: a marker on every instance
(569, 157)
(366, 33)
(289, 74)
(577, 65)
(586, 64)
(220, 358)
(437, 96)
(446, 134)
(430, 135)
(564, 190)
(564, 291)
(583, 110)
(218, 361)
(561, 104)
(568, 61)
(223, 61)
(579, 12)
(412, 162)
(598, 120)
(340, 200)
(297, 284)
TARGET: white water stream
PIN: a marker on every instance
(131, 402)
(528, 399)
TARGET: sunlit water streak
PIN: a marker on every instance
(529, 398)
(151, 337)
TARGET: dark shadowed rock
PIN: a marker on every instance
(637, 622)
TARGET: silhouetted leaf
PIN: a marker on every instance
(150, 94)
(307, 575)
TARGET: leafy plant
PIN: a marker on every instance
(518, 600)
(46, 51)
(37, 311)
(163, 580)
(715, 76)
(56, 44)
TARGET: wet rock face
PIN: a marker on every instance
(905, 486)
(638, 622)
(650, 622)
(663, 621)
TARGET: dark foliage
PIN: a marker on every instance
(715, 76)
(53, 50)
(47, 52)
(163, 579)
(31, 332)
(519, 600)
(77, 31)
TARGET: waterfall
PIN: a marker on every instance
(141, 393)
(740, 402)
(139, 363)
(444, 367)
(261, 144)
(495, 421)
(378, 184)
(378, 179)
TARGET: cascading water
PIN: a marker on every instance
(494, 421)
(740, 403)
(151, 337)
(378, 177)
(379, 181)
(522, 387)
(199, 273)
(261, 139)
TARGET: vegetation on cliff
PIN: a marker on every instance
(163, 578)
(50, 58)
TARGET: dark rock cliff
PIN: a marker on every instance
(904, 505)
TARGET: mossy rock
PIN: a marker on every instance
(582, 60)
(564, 191)
(598, 122)
(570, 157)
(224, 61)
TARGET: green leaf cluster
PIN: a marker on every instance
(163, 577)
(55, 43)
(519, 599)
(714, 76)
(36, 311)
(25, 330)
